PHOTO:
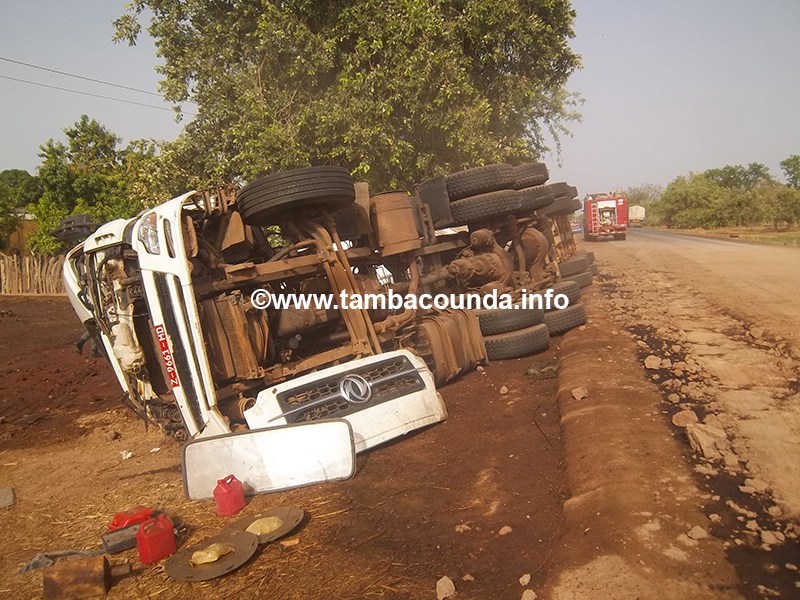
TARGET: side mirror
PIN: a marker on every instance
(269, 460)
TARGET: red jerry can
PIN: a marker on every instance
(229, 496)
(155, 539)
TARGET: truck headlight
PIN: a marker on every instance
(148, 233)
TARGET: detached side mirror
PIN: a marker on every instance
(270, 460)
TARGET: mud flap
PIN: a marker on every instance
(451, 344)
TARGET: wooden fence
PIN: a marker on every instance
(31, 274)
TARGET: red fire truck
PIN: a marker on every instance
(605, 214)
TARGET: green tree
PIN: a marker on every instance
(692, 201)
(791, 170)
(395, 90)
(8, 217)
(88, 174)
(740, 177)
(23, 187)
(780, 205)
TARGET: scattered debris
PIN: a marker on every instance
(708, 441)
(525, 579)
(290, 543)
(81, 577)
(7, 497)
(505, 530)
(684, 418)
(445, 588)
(126, 454)
(463, 528)
(503, 390)
(652, 362)
(154, 450)
(772, 538)
(468, 577)
(112, 436)
(697, 533)
(541, 370)
(529, 595)
(580, 393)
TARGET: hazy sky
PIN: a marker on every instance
(669, 87)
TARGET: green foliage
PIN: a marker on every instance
(17, 189)
(791, 170)
(89, 174)
(739, 177)
(644, 195)
(8, 218)
(691, 201)
(395, 90)
(23, 187)
(731, 196)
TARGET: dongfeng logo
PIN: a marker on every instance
(355, 389)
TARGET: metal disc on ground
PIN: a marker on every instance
(245, 544)
(290, 517)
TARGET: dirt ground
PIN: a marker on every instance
(418, 509)
(677, 477)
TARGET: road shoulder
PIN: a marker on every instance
(635, 521)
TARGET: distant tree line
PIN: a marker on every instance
(730, 196)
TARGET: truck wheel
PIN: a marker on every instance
(588, 254)
(620, 236)
(570, 289)
(530, 174)
(536, 198)
(261, 201)
(560, 206)
(480, 180)
(517, 343)
(503, 320)
(485, 206)
(574, 264)
(561, 321)
(561, 188)
(583, 278)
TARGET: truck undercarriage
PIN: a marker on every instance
(173, 292)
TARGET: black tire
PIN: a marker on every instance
(561, 188)
(261, 201)
(503, 320)
(479, 180)
(561, 321)
(593, 269)
(536, 198)
(530, 174)
(576, 205)
(588, 254)
(574, 264)
(582, 279)
(517, 343)
(570, 289)
(485, 206)
(560, 206)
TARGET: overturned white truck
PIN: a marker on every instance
(171, 295)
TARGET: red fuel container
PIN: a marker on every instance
(229, 496)
(155, 539)
(134, 515)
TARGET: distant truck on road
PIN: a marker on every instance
(604, 215)
(636, 215)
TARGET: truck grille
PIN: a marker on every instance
(322, 399)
